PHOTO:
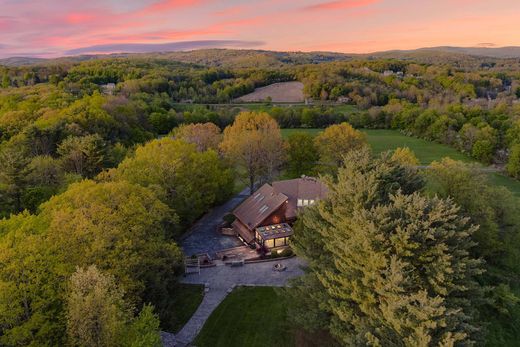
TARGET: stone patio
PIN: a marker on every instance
(203, 236)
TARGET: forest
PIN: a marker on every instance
(115, 158)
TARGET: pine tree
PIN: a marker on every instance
(389, 266)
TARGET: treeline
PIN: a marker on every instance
(94, 262)
(375, 83)
(491, 136)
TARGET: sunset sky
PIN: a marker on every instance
(64, 27)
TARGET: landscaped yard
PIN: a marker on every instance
(249, 316)
(186, 298)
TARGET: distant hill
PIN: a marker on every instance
(491, 52)
(21, 61)
(244, 58)
(238, 58)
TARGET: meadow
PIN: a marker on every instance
(426, 151)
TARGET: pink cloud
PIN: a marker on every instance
(338, 25)
(340, 4)
(168, 5)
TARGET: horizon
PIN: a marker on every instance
(60, 29)
(225, 47)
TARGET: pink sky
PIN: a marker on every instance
(59, 27)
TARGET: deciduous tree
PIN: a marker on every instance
(187, 180)
(254, 143)
(302, 155)
(205, 136)
(336, 141)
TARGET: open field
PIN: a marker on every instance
(384, 140)
(249, 316)
(426, 151)
(278, 92)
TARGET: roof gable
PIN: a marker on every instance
(257, 207)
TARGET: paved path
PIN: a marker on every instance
(203, 236)
(220, 280)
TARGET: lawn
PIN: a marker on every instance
(384, 140)
(249, 316)
(426, 151)
(186, 298)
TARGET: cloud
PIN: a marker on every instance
(163, 47)
(340, 4)
(168, 5)
(486, 44)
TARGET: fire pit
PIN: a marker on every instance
(279, 267)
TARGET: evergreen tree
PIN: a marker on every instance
(389, 266)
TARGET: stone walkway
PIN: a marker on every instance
(203, 236)
(221, 280)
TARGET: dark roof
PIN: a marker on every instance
(243, 231)
(305, 188)
(256, 208)
(275, 231)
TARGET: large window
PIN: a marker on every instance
(280, 242)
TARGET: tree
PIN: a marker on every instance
(144, 330)
(492, 208)
(110, 221)
(32, 281)
(205, 136)
(96, 311)
(405, 157)
(6, 81)
(82, 155)
(337, 141)
(387, 265)
(483, 150)
(254, 144)
(301, 154)
(97, 314)
(187, 180)
(513, 163)
(13, 171)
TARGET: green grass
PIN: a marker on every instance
(186, 298)
(508, 182)
(426, 151)
(384, 140)
(249, 316)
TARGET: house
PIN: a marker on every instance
(108, 89)
(344, 99)
(265, 217)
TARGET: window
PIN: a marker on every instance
(280, 242)
(311, 202)
(305, 202)
(300, 203)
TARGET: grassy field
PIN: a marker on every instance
(426, 151)
(384, 140)
(249, 316)
(186, 300)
